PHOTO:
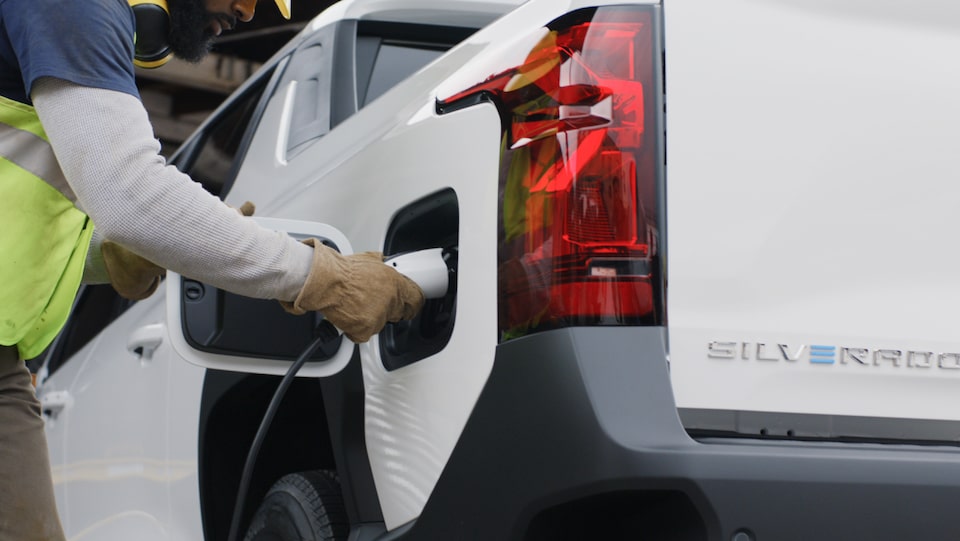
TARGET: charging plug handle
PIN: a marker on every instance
(427, 268)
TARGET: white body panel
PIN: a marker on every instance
(128, 434)
(416, 413)
(812, 193)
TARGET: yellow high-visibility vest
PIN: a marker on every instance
(44, 237)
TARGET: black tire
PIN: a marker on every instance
(306, 506)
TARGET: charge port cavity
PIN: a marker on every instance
(431, 222)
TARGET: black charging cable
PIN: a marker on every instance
(324, 332)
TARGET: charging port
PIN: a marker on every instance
(432, 222)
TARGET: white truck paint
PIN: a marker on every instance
(812, 195)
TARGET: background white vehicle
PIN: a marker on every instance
(788, 165)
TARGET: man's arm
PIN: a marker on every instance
(105, 145)
(109, 157)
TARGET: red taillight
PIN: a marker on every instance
(579, 189)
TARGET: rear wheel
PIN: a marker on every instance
(305, 506)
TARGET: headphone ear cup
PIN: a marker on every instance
(151, 45)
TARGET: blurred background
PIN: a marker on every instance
(180, 95)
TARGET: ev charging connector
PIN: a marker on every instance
(426, 268)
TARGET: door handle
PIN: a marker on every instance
(54, 402)
(145, 340)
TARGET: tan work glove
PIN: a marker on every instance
(246, 208)
(134, 277)
(357, 293)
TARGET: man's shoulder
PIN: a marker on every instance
(87, 42)
(69, 11)
(69, 23)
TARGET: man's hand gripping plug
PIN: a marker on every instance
(357, 293)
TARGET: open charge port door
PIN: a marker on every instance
(216, 329)
(431, 222)
(221, 322)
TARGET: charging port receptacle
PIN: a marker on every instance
(431, 222)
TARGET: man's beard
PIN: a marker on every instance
(190, 38)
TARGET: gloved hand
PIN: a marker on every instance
(134, 277)
(246, 208)
(357, 293)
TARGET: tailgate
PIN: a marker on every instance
(813, 196)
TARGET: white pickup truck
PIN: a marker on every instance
(701, 256)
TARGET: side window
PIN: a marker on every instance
(212, 155)
(389, 64)
(388, 53)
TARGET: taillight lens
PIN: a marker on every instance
(579, 189)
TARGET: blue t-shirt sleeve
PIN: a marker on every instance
(88, 42)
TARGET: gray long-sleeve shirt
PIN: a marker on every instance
(105, 145)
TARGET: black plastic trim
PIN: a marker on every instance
(343, 398)
(701, 423)
(660, 111)
(573, 416)
(440, 37)
(368, 47)
(343, 97)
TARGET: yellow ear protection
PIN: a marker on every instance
(150, 48)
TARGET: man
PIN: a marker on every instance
(85, 194)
